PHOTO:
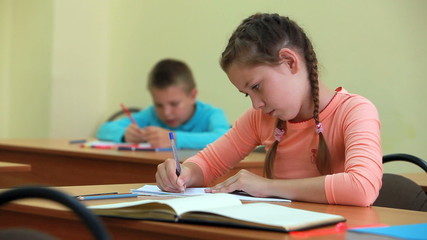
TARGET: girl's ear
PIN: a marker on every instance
(290, 59)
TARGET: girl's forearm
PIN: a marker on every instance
(304, 189)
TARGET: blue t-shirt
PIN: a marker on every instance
(206, 125)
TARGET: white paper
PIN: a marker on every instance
(153, 190)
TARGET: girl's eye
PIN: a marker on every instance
(256, 86)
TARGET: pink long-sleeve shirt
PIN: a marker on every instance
(352, 133)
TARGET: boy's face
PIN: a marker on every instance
(173, 106)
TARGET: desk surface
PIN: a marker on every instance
(14, 167)
(51, 217)
(56, 162)
(63, 147)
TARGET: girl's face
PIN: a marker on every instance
(173, 105)
(277, 90)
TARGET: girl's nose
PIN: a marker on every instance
(257, 103)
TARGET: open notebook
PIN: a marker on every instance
(219, 209)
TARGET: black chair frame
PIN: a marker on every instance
(92, 222)
(405, 157)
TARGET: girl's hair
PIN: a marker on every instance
(257, 40)
(169, 72)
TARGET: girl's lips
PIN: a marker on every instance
(271, 113)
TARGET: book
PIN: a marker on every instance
(123, 146)
(153, 190)
(219, 209)
(409, 231)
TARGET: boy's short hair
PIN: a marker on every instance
(169, 72)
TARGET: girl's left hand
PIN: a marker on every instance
(246, 181)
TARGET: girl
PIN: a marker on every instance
(323, 145)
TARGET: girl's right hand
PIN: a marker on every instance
(166, 177)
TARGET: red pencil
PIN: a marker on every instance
(128, 113)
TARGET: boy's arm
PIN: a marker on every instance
(197, 140)
(217, 125)
(114, 130)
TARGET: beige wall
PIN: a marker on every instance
(79, 67)
(25, 66)
(65, 65)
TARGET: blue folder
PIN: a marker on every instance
(410, 232)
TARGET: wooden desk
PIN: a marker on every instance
(55, 162)
(56, 220)
(420, 178)
(14, 167)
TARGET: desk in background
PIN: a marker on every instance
(56, 220)
(55, 162)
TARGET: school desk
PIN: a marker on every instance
(57, 220)
(55, 162)
(14, 167)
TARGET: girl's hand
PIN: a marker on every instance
(166, 177)
(244, 180)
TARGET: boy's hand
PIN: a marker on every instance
(156, 136)
(133, 134)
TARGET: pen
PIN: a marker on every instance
(97, 146)
(95, 194)
(125, 195)
(77, 141)
(128, 113)
(124, 148)
(175, 154)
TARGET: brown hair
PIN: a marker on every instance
(257, 40)
(169, 72)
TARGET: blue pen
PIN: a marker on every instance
(126, 195)
(175, 154)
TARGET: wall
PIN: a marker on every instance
(66, 65)
(79, 67)
(25, 67)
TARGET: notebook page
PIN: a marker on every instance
(276, 215)
(153, 190)
(184, 204)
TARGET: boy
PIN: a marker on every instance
(175, 108)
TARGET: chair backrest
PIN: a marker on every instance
(407, 158)
(92, 222)
(400, 192)
(121, 113)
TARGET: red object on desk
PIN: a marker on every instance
(339, 227)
